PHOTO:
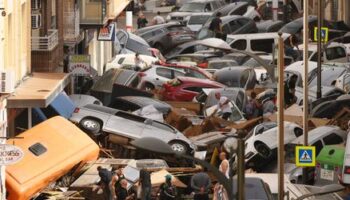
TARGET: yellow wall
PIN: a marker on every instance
(15, 49)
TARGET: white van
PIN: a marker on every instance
(335, 52)
(255, 42)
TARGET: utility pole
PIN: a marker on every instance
(305, 79)
(280, 119)
(129, 27)
(319, 48)
(2, 66)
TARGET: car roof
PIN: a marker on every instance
(255, 188)
(227, 8)
(299, 67)
(200, 1)
(315, 134)
(199, 81)
(257, 36)
(100, 108)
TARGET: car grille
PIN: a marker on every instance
(177, 18)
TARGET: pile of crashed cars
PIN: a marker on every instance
(172, 98)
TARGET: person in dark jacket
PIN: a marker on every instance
(201, 184)
(289, 91)
(167, 191)
(105, 178)
(141, 21)
(216, 26)
(146, 186)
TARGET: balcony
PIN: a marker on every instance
(45, 43)
(71, 31)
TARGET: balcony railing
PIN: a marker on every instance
(71, 26)
(45, 43)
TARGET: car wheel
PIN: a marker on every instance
(91, 126)
(263, 150)
(149, 87)
(179, 147)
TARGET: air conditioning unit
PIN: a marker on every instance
(36, 4)
(36, 21)
(7, 81)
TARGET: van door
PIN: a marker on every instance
(265, 45)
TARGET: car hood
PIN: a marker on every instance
(179, 14)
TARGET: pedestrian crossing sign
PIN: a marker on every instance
(305, 156)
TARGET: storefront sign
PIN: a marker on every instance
(79, 65)
(10, 154)
(107, 33)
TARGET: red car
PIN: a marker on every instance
(185, 88)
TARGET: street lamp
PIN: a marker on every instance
(158, 146)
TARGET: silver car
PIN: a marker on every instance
(94, 118)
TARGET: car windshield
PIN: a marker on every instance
(112, 76)
(135, 46)
(204, 33)
(252, 62)
(192, 7)
(236, 113)
(198, 19)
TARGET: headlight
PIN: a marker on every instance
(168, 17)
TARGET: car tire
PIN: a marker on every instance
(179, 147)
(263, 150)
(149, 87)
(91, 126)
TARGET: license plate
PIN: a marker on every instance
(327, 174)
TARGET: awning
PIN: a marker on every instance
(38, 90)
(116, 7)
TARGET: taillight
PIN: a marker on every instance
(347, 170)
(141, 74)
(203, 65)
(76, 110)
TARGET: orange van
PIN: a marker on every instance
(51, 149)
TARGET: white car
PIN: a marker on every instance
(264, 138)
(127, 60)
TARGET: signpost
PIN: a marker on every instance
(305, 156)
(107, 33)
(324, 34)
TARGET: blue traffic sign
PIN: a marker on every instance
(305, 156)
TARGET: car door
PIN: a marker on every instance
(162, 75)
(235, 26)
(126, 125)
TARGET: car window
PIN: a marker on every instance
(265, 45)
(192, 7)
(178, 73)
(198, 19)
(335, 53)
(207, 7)
(318, 146)
(121, 37)
(163, 72)
(162, 126)
(239, 44)
(188, 50)
(244, 78)
(243, 21)
(194, 73)
(240, 11)
(147, 35)
(135, 46)
(220, 65)
(234, 25)
(226, 28)
(194, 89)
(121, 60)
(236, 114)
(332, 139)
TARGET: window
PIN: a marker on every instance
(178, 73)
(244, 78)
(332, 139)
(194, 89)
(121, 60)
(207, 7)
(335, 53)
(240, 11)
(234, 26)
(164, 72)
(226, 28)
(239, 44)
(263, 45)
(148, 35)
(318, 146)
(92, 11)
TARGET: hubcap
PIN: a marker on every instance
(90, 124)
(178, 147)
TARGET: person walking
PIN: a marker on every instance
(167, 191)
(141, 21)
(224, 165)
(117, 176)
(123, 192)
(146, 186)
(215, 26)
(201, 184)
(158, 19)
(223, 105)
(105, 178)
(289, 91)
